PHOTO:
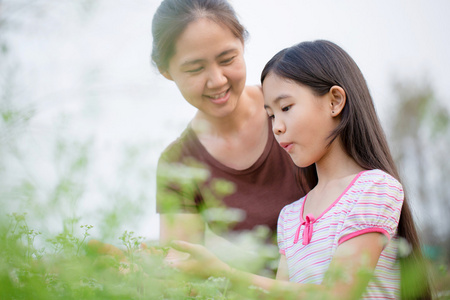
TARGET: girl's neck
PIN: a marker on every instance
(335, 165)
(335, 171)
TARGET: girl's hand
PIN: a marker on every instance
(200, 261)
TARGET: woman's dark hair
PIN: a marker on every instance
(320, 65)
(173, 16)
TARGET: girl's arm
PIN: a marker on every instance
(202, 262)
(347, 277)
(353, 264)
(282, 271)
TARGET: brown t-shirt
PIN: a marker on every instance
(190, 180)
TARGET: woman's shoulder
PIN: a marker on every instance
(185, 145)
(254, 92)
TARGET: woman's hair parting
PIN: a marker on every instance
(321, 65)
(173, 16)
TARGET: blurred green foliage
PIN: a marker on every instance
(420, 139)
(66, 268)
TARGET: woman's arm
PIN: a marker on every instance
(179, 226)
(185, 227)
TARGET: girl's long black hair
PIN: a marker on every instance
(320, 65)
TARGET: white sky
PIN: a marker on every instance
(95, 67)
(386, 38)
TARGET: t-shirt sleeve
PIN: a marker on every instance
(377, 209)
(280, 232)
(177, 185)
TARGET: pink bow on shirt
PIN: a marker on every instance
(307, 232)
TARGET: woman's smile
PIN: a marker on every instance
(220, 98)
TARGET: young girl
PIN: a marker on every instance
(342, 238)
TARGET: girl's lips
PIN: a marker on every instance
(220, 98)
(287, 146)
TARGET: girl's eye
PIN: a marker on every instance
(271, 117)
(286, 108)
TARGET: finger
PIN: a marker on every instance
(182, 246)
(187, 247)
(176, 255)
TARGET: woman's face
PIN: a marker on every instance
(301, 121)
(208, 67)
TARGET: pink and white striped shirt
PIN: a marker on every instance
(371, 203)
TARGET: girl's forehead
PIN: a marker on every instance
(274, 87)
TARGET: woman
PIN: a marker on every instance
(227, 157)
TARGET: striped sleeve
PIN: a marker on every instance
(377, 209)
(280, 231)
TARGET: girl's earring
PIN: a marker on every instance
(332, 111)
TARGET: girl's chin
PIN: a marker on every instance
(300, 163)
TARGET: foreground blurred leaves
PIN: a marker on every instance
(66, 268)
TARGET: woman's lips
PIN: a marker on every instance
(220, 98)
(287, 146)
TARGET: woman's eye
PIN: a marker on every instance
(286, 108)
(228, 61)
(195, 70)
(271, 117)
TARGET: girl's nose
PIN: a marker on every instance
(216, 78)
(278, 127)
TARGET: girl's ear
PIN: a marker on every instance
(337, 100)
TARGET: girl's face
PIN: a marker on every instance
(301, 121)
(208, 67)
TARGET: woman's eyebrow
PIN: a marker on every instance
(192, 62)
(227, 52)
(198, 61)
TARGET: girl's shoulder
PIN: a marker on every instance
(294, 207)
(377, 175)
(378, 179)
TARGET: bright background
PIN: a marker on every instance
(84, 67)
